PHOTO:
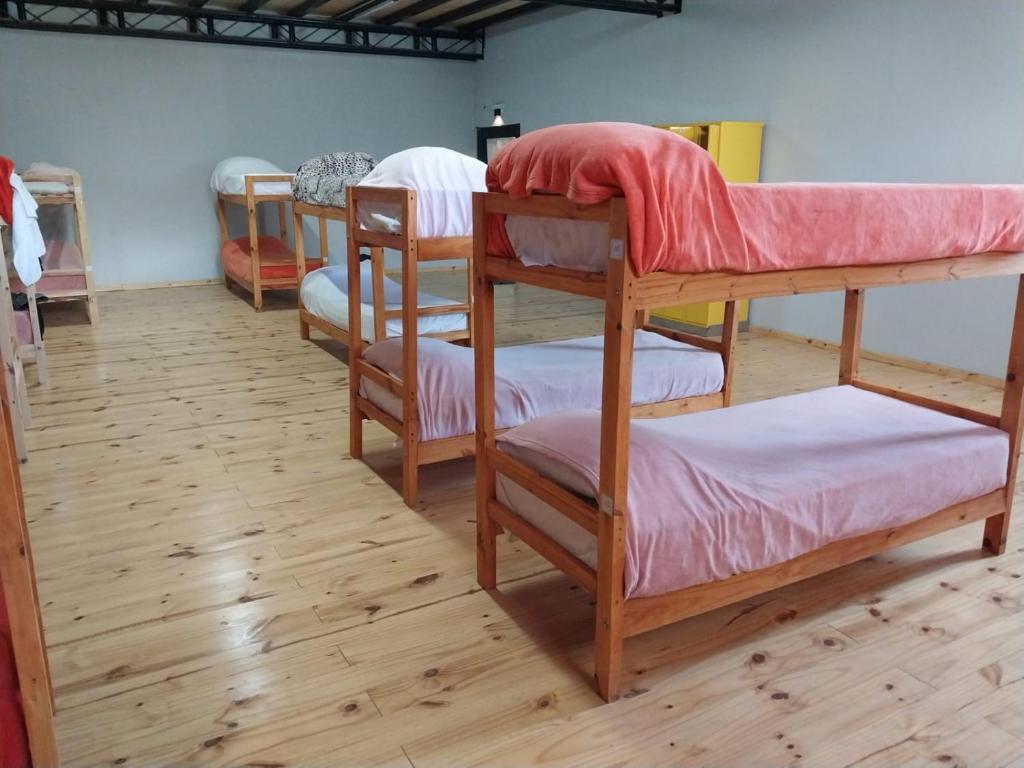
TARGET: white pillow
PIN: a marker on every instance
(229, 176)
(444, 181)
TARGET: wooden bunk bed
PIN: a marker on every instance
(264, 271)
(21, 629)
(413, 250)
(455, 248)
(628, 297)
(65, 283)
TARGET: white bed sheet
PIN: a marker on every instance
(444, 182)
(325, 294)
(532, 380)
(229, 177)
(48, 187)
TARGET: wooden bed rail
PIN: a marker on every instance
(413, 250)
(628, 298)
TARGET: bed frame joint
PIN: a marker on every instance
(606, 504)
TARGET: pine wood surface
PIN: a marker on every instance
(222, 585)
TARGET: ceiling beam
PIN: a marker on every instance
(359, 9)
(251, 6)
(659, 8)
(460, 13)
(305, 7)
(497, 18)
(413, 9)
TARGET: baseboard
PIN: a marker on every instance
(905, 362)
(169, 284)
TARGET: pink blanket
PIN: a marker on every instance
(722, 492)
(684, 218)
(533, 380)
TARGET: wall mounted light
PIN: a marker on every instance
(498, 119)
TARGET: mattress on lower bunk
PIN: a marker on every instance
(532, 380)
(723, 492)
(276, 259)
(325, 294)
(48, 187)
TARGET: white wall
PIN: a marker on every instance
(145, 121)
(849, 90)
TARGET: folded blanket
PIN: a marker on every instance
(678, 203)
(684, 218)
(324, 179)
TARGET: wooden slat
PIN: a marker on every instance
(333, 212)
(379, 376)
(386, 419)
(442, 248)
(677, 407)
(570, 281)
(647, 613)
(552, 494)
(545, 546)
(553, 206)
(328, 329)
(660, 289)
(950, 409)
(378, 239)
(446, 449)
(703, 342)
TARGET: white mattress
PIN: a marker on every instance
(567, 243)
(325, 294)
(229, 177)
(532, 380)
(48, 187)
(444, 181)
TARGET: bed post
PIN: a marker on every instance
(222, 223)
(470, 281)
(82, 229)
(325, 252)
(849, 352)
(282, 221)
(355, 332)
(380, 328)
(1010, 421)
(300, 269)
(616, 397)
(730, 330)
(483, 318)
(254, 248)
(410, 327)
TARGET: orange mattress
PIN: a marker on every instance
(277, 260)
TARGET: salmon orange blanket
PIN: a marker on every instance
(683, 217)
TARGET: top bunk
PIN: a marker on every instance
(570, 203)
(243, 179)
(420, 199)
(52, 184)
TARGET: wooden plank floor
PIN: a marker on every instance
(223, 586)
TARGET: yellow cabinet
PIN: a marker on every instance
(736, 149)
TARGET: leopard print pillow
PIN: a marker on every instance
(323, 180)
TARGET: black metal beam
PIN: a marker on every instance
(251, 6)
(133, 19)
(459, 13)
(413, 9)
(359, 9)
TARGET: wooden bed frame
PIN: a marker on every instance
(256, 285)
(416, 452)
(628, 297)
(76, 200)
(413, 250)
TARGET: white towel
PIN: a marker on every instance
(26, 239)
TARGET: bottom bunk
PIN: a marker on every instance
(735, 490)
(277, 262)
(324, 295)
(533, 380)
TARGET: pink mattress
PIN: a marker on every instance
(722, 492)
(684, 218)
(532, 380)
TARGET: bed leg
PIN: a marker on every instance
(355, 432)
(608, 648)
(257, 299)
(410, 475)
(303, 330)
(996, 530)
